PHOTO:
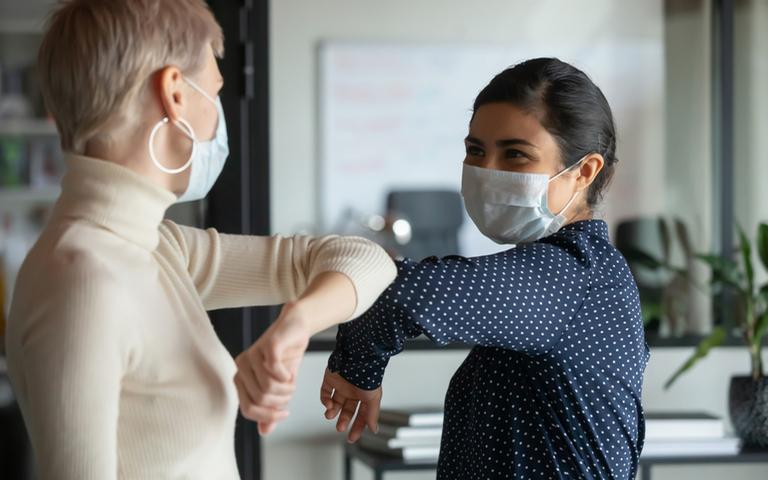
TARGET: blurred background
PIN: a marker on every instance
(348, 116)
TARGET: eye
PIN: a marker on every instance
(475, 151)
(512, 153)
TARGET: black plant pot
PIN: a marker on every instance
(748, 404)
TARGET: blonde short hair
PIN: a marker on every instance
(97, 55)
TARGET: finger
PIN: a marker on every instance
(263, 398)
(267, 383)
(359, 424)
(347, 412)
(265, 414)
(326, 396)
(248, 382)
(372, 410)
(337, 403)
(255, 412)
(265, 359)
(274, 363)
(265, 428)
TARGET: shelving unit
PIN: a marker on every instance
(29, 128)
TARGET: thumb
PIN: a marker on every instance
(276, 365)
(265, 428)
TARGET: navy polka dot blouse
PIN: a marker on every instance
(552, 385)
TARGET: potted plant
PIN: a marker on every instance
(748, 394)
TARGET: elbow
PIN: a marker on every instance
(371, 270)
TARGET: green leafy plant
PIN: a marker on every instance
(734, 277)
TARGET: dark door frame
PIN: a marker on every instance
(239, 202)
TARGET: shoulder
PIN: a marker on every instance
(72, 270)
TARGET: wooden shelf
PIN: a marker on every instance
(37, 127)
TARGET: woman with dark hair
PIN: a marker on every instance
(552, 385)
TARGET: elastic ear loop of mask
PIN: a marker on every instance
(189, 133)
(576, 193)
(200, 90)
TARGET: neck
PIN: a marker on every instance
(584, 212)
(114, 198)
(132, 152)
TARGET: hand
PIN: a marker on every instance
(266, 372)
(340, 396)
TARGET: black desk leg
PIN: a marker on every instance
(645, 472)
(347, 466)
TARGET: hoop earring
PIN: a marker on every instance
(189, 132)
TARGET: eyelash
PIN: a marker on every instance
(511, 154)
(475, 151)
(518, 152)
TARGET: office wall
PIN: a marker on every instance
(751, 116)
(298, 26)
(306, 446)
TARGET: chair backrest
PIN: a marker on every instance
(435, 217)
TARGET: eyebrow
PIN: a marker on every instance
(502, 143)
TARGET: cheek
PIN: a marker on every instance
(206, 121)
(558, 196)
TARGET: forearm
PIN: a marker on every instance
(328, 300)
(365, 345)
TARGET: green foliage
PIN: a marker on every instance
(716, 338)
(737, 277)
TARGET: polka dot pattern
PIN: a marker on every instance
(552, 385)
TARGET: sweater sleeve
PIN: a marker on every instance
(242, 270)
(520, 300)
(68, 362)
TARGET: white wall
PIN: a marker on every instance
(751, 117)
(306, 446)
(298, 25)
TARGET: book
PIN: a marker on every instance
(683, 425)
(412, 417)
(424, 452)
(387, 442)
(393, 431)
(693, 448)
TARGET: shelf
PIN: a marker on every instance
(26, 195)
(37, 127)
(326, 344)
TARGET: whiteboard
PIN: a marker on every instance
(394, 116)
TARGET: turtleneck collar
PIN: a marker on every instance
(113, 197)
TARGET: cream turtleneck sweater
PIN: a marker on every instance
(117, 369)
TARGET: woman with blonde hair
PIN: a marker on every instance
(117, 369)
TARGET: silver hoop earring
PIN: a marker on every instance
(189, 132)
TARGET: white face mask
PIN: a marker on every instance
(207, 158)
(511, 207)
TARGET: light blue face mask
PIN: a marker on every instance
(207, 158)
(511, 207)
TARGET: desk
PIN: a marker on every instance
(381, 463)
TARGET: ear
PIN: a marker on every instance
(168, 87)
(588, 170)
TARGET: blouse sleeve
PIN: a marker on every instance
(521, 299)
